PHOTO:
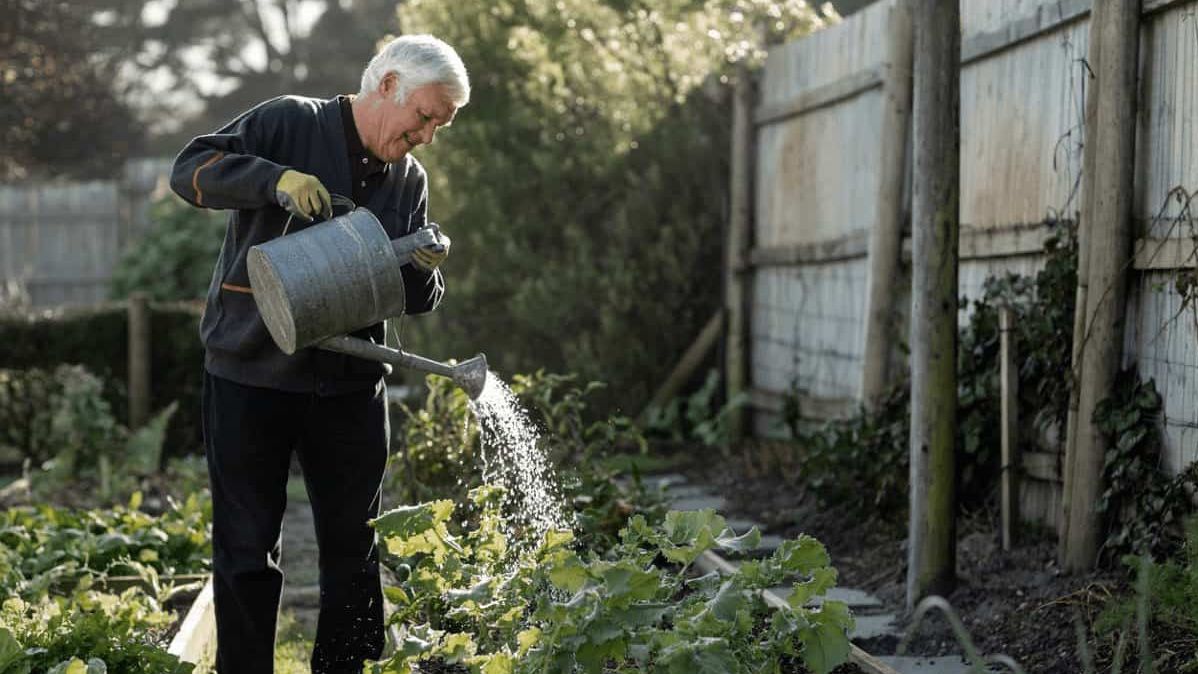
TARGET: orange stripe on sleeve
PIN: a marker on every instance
(237, 289)
(195, 177)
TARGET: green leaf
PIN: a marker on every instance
(801, 555)
(457, 647)
(826, 641)
(10, 648)
(821, 580)
(566, 572)
(746, 542)
(413, 520)
(624, 580)
(527, 639)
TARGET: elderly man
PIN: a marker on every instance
(279, 161)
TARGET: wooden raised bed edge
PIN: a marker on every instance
(195, 642)
(710, 561)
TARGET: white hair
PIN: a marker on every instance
(418, 60)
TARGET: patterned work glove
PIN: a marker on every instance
(429, 257)
(303, 195)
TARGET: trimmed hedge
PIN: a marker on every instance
(97, 338)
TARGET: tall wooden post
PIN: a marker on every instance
(1093, 63)
(737, 248)
(139, 360)
(1110, 249)
(1009, 379)
(885, 238)
(935, 232)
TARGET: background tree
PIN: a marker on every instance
(586, 182)
(62, 113)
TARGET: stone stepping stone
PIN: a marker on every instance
(910, 664)
(874, 626)
(857, 600)
(667, 481)
(689, 491)
(716, 503)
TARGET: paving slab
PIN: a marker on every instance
(857, 600)
(874, 626)
(699, 503)
(909, 664)
(690, 491)
(666, 481)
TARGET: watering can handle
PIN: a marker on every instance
(338, 200)
(335, 199)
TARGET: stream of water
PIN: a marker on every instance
(514, 460)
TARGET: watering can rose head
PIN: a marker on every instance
(412, 88)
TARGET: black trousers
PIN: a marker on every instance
(341, 442)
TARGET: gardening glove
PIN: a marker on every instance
(303, 195)
(429, 257)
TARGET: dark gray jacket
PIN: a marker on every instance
(237, 168)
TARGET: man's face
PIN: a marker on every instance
(403, 127)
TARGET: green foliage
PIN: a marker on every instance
(861, 461)
(867, 453)
(88, 633)
(173, 260)
(61, 420)
(96, 338)
(1143, 506)
(468, 599)
(44, 547)
(696, 417)
(1165, 602)
(586, 182)
(52, 562)
(437, 455)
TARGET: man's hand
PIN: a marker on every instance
(303, 195)
(429, 257)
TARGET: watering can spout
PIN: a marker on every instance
(469, 375)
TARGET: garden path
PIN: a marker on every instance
(872, 619)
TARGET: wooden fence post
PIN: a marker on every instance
(1086, 214)
(886, 235)
(736, 365)
(139, 360)
(1011, 465)
(935, 217)
(1109, 260)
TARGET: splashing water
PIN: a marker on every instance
(513, 460)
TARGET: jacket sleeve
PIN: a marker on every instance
(422, 290)
(227, 169)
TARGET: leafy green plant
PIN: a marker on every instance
(436, 451)
(696, 417)
(173, 259)
(44, 547)
(866, 453)
(1165, 603)
(1143, 506)
(599, 128)
(61, 420)
(88, 633)
(467, 598)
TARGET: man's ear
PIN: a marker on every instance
(389, 85)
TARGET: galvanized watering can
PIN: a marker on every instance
(314, 286)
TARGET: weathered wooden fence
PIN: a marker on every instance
(61, 240)
(820, 131)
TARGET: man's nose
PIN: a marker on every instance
(428, 134)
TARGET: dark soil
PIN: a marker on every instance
(1014, 603)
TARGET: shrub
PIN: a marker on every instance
(174, 258)
(97, 338)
